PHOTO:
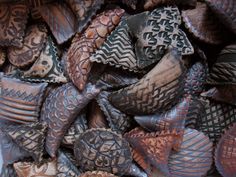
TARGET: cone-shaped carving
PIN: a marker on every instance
(226, 11)
(172, 119)
(28, 169)
(225, 158)
(20, 101)
(194, 157)
(84, 11)
(10, 151)
(216, 118)
(157, 90)
(65, 167)
(118, 121)
(83, 45)
(162, 22)
(103, 150)
(151, 150)
(224, 70)
(97, 174)
(195, 80)
(223, 93)
(60, 19)
(203, 25)
(117, 50)
(29, 137)
(47, 67)
(60, 110)
(34, 42)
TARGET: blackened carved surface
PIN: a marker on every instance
(84, 11)
(60, 110)
(194, 157)
(60, 19)
(225, 157)
(103, 144)
(13, 19)
(157, 90)
(20, 101)
(33, 43)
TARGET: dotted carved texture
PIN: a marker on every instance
(82, 47)
(103, 150)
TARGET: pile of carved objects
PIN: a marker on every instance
(108, 88)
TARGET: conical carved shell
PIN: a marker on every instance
(83, 45)
(225, 158)
(84, 11)
(162, 22)
(216, 118)
(97, 174)
(28, 169)
(29, 137)
(151, 150)
(224, 70)
(46, 68)
(118, 121)
(194, 157)
(34, 42)
(60, 110)
(157, 90)
(226, 11)
(103, 150)
(60, 20)
(117, 50)
(172, 119)
(203, 25)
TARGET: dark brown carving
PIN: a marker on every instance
(225, 11)
(60, 19)
(225, 157)
(172, 119)
(34, 41)
(84, 10)
(157, 90)
(203, 25)
(60, 110)
(2, 56)
(151, 150)
(28, 169)
(103, 150)
(29, 137)
(194, 157)
(13, 19)
(83, 45)
(20, 101)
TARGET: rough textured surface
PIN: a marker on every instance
(13, 19)
(194, 157)
(155, 91)
(97, 174)
(60, 110)
(225, 158)
(33, 43)
(2, 56)
(20, 101)
(96, 154)
(8, 172)
(83, 45)
(60, 19)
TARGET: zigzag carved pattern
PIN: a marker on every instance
(117, 50)
(155, 91)
(223, 73)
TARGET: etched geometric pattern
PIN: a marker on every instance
(157, 90)
(216, 118)
(194, 158)
(30, 137)
(225, 154)
(60, 110)
(103, 144)
(117, 50)
(82, 47)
